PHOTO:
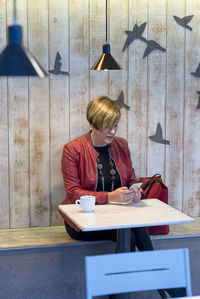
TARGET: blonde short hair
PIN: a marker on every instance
(103, 113)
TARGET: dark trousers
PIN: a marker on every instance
(140, 239)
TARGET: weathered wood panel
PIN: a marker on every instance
(19, 135)
(175, 102)
(39, 116)
(98, 80)
(156, 85)
(18, 152)
(191, 188)
(137, 88)
(79, 66)
(59, 101)
(118, 79)
(4, 158)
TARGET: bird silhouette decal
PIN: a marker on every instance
(158, 137)
(152, 45)
(184, 21)
(57, 66)
(120, 101)
(136, 33)
(198, 105)
(197, 72)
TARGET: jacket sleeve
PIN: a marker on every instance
(70, 172)
(131, 175)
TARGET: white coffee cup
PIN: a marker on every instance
(86, 202)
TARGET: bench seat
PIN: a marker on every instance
(52, 235)
(34, 236)
(182, 230)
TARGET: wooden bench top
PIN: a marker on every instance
(34, 236)
(183, 230)
(39, 236)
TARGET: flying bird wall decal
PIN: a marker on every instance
(184, 21)
(152, 45)
(120, 101)
(136, 33)
(197, 72)
(158, 137)
(57, 66)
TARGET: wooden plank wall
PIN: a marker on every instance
(38, 116)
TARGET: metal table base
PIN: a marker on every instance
(123, 245)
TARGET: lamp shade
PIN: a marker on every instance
(15, 60)
(106, 61)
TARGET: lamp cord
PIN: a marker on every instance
(106, 18)
(14, 13)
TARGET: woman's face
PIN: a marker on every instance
(103, 137)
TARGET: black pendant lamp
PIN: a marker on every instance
(106, 61)
(15, 60)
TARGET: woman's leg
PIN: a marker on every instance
(175, 293)
(140, 238)
(91, 236)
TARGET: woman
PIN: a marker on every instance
(99, 163)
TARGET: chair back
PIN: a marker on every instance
(137, 271)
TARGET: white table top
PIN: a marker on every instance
(148, 212)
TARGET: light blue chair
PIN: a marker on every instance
(137, 271)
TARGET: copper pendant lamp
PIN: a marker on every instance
(106, 61)
(15, 60)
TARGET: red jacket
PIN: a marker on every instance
(79, 169)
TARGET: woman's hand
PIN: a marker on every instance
(121, 195)
(138, 195)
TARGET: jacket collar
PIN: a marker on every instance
(88, 138)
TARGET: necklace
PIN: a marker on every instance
(112, 172)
